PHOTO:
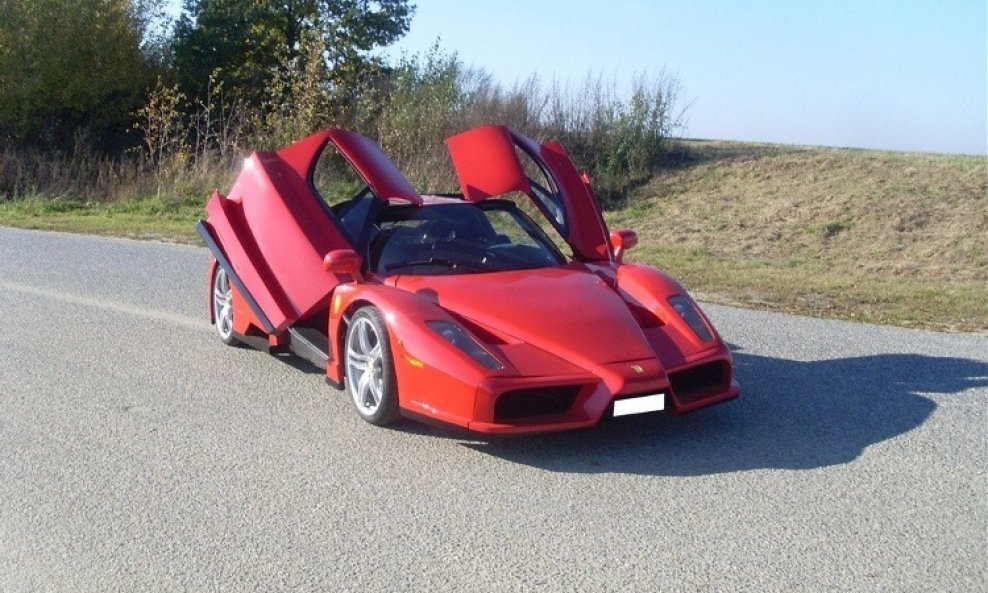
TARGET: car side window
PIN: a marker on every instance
(537, 216)
(334, 179)
(544, 192)
(354, 216)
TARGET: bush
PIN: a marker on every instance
(619, 142)
(425, 106)
(409, 109)
(81, 173)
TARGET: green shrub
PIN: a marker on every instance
(410, 109)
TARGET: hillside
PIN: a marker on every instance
(882, 236)
(876, 236)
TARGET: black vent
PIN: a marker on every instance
(542, 401)
(700, 380)
(644, 317)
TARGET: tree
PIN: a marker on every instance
(251, 46)
(66, 66)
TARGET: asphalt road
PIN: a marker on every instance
(140, 454)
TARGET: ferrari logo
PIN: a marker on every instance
(637, 368)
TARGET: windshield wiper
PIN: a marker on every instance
(439, 261)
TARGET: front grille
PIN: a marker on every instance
(541, 401)
(700, 381)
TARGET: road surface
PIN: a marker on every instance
(140, 454)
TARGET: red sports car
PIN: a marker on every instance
(503, 309)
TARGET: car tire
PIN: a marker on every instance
(222, 304)
(370, 375)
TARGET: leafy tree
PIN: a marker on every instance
(70, 65)
(251, 47)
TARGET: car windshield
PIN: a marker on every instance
(458, 238)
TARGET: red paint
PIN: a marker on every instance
(586, 332)
(486, 163)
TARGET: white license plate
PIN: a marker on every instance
(639, 405)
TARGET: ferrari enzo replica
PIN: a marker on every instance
(505, 308)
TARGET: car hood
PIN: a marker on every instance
(567, 311)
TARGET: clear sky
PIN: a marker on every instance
(891, 74)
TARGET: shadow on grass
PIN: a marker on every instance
(791, 415)
(685, 154)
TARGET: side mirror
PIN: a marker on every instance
(621, 241)
(343, 262)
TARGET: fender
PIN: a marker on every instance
(435, 379)
(647, 286)
(674, 341)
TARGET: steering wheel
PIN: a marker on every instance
(440, 230)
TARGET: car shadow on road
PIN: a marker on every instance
(791, 415)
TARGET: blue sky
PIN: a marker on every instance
(902, 75)
(889, 74)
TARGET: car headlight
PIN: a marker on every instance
(456, 336)
(690, 313)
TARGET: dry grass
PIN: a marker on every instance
(873, 236)
(882, 236)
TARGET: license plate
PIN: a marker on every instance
(639, 405)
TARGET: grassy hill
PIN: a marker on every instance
(876, 236)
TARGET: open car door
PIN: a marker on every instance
(273, 230)
(488, 165)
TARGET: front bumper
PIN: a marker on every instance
(569, 402)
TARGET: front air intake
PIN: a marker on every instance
(699, 381)
(541, 401)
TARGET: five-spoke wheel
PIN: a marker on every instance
(370, 378)
(223, 306)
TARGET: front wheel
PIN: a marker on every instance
(223, 306)
(370, 377)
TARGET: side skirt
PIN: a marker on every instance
(309, 344)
